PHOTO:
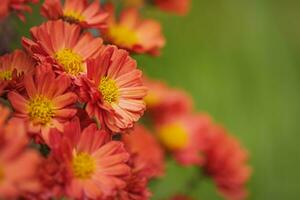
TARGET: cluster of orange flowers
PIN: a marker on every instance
(71, 100)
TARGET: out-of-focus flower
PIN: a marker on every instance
(12, 68)
(97, 165)
(133, 33)
(185, 137)
(226, 163)
(87, 15)
(149, 155)
(63, 45)
(18, 6)
(164, 103)
(46, 103)
(180, 7)
(113, 90)
(18, 164)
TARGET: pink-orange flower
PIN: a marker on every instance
(87, 15)
(63, 45)
(226, 162)
(18, 164)
(148, 153)
(180, 7)
(164, 103)
(46, 103)
(18, 6)
(96, 164)
(133, 33)
(12, 68)
(113, 90)
(185, 137)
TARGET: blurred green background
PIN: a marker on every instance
(240, 60)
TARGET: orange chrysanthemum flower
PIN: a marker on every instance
(12, 68)
(180, 7)
(76, 11)
(164, 103)
(133, 33)
(63, 45)
(18, 6)
(17, 163)
(149, 155)
(185, 137)
(97, 165)
(113, 90)
(225, 162)
(46, 103)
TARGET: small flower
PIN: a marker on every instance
(46, 103)
(164, 103)
(18, 6)
(113, 90)
(12, 68)
(185, 137)
(180, 7)
(76, 11)
(226, 162)
(149, 155)
(63, 45)
(97, 165)
(18, 164)
(133, 33)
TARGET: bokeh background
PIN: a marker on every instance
(240, 60)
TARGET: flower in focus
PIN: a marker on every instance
(18, 164)
(97, 165)
(63, 45)
(133, 33)
(148, 152)
(164, 103)
(18, 6)
(46, 103)
(185, 137)
(12, 68)
(225, 162)
(180, 7)
(113, 90)
(87, 15)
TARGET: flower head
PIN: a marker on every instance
(46, 103)
(226, 163)
(63, 45)
(134, 34)
(164, 103)
(185, 137)
(113, 90)
(180, 7)
(148, 153)
(18, 164)
(87, 15)
(12, 68)
(97, 165)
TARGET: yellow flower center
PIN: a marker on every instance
(5, 75)
(109, 90)
(41, 110)
(83, 166)
(121, 35)
(72, 16)
(70, 61)
(173, 136)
